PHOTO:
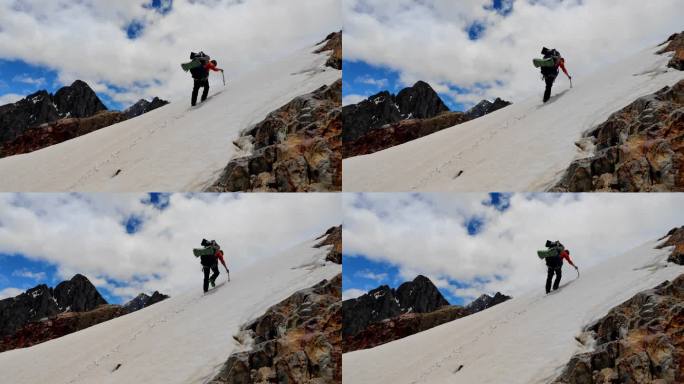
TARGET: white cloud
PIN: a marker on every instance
(428, 40)
(10, 292)
(87, 39)
(84, 233)
(26, 79)
(38, 276)
(366, 274)
(379, 83)
(352, 293)
(353, 99)
(425, 234)
(10, 98)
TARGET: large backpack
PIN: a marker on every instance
(199, 60)
(551, 54)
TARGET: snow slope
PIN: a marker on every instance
(523, 147)
(173, 148)
(184, 339)
(524, 340)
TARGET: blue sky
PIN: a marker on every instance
(362, 273)
(19, 77)
(365, 79)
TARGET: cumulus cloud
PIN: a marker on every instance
(85, 233)
(10, 292)
(26, 79)
(368, 80)
(370, 275)
(353, 99)
(10, 98)
(38, 276)
(88, 39)
(352, 293)
(426, 233)
(428, 40)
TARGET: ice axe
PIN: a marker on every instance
(569, 78)
(224, 80)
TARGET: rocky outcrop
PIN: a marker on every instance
(333, 43)
(675, 43)
(485, 107)
(417, 102)
(638, 149)
(59, 325)
(76, 100)
(333, 236)
(143, 300)
(297, 148)
(485, 301)
(143, 106)
(639, 341)
(401, 326)
(58, 131)
(399, 133)
(417, 296)
(77, 294)
(296, 341)
(675, 238)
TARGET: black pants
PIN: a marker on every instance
(213, 268)
(200, 83)
(549, 277)
(549, 83)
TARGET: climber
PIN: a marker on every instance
(199, 69)
(550, 71)
(209, 256)
(554, 261)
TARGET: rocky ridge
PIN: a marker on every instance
(417, 296)
(675, 43)
(42, 313)
(675, 238)
(42, 119)
(296, 341)
(639, 341)
(333, 43)
(638, 149)
(296, 148)
(333, 236)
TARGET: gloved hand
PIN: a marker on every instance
(576, 269)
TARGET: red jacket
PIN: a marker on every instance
(219, 256)
(212, 67)
(566, 255)
(561, 65)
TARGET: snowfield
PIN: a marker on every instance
(184, 339)
(523, 147)
(528, 339)
(173, 148)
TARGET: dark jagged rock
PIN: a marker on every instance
(333, 43)
(675, 43)
(143, 106)
(485, 301)
(333, 236)
(639, 341)
(143, 300)
(485, 107)
(77, 295)
(59, 131)
(638, 149)
(419, 295)
(59, 325)
(296, 341)
(401, 326)
(417, 102)
(32, 305)
(401, 132)
(77, 100)
(297, 148)
(675, 238)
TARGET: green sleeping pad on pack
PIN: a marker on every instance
(544, 253)
(550, 62)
